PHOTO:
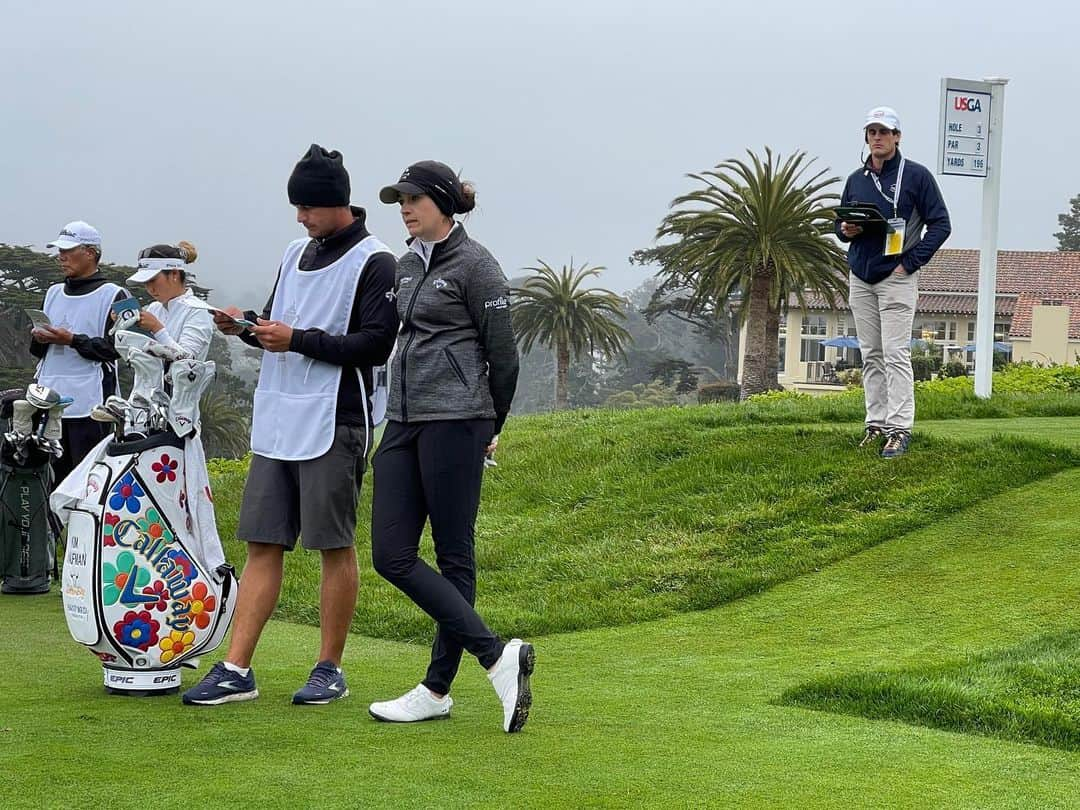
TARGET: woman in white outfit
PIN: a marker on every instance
(169, 318)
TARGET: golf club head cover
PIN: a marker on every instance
(41, 397)
(54, 425)
(126, 340)
(137, 589)
(190, 379)
(149, 373)
(166, 353)
(22, 417)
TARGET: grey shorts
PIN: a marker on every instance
(314, 499)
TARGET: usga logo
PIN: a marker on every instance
(967, 104)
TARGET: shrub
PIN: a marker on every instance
(781, 396)
(851, 377)
(922, 366)
(954, 368)
(724, 391)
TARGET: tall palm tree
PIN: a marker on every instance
(224, 428)
(553, 308)
(758, 232)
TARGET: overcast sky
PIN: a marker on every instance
(577, 119)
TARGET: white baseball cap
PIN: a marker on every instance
(74, 234)
(886, 116)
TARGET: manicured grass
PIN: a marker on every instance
(673, 713)
(1056, 430)
(1029, 693)
(601, 518)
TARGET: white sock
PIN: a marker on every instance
(241, 671)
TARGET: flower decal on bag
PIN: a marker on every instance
(107, 536)
(181, 561)
(137, 630)
(165, 468)
(174, 644)
(201, 604)
(154, 526)
(126, 494)
(159, 590)
(115, 577)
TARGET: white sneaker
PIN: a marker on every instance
(511, 681)
(416, 704)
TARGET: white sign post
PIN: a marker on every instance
(970, 146)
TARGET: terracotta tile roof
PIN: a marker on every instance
(1021, 322)
(1050, 273)
(1025, 278)
(961, 303)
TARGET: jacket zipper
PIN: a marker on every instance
(412, 334)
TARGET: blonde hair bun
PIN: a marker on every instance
(188, 251)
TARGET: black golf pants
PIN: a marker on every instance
(433, 470)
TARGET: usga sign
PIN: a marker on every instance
(964, 139)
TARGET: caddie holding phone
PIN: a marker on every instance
(884, 264)
(76, 352)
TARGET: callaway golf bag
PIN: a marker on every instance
(145, 582)
(31, 439)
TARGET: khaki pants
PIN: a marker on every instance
(884, 313)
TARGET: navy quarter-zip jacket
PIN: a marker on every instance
(920, 205)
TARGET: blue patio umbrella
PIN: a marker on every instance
(1004, 348)
(842, 342)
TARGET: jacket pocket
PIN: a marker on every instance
(455, 366)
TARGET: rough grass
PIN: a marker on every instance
(1028, 693)
(603, 518)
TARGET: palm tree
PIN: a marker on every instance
(554, 309)
(758, 232)
(224, 428)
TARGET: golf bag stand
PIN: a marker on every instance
(137, 589)
(27, 534)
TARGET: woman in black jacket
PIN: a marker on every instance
(452, 380)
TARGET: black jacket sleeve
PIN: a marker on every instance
(252, 315)
(99, 349)
(488, 299)
(373, 324)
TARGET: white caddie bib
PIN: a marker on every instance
(296, 397)
(63, 368)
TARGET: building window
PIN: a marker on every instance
(952, 331)
(813, 328)
(783, 355)
(1001, 330)
(971, 332)
(930, 330)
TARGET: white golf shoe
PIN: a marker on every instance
(510, 677)
(415, 705)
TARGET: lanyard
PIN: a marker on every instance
(899, 180)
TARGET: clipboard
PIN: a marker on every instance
(859, 214)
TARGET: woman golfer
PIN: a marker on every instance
(453, 377)
(168, 318)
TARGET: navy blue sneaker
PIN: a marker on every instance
(326, 683)
(221, 685)
(896, 444)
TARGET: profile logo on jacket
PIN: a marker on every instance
(502, 302)
(439, 284)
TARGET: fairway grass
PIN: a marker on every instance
(1029, 693)
(605, 518)
(671, 713)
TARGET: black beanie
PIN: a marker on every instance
(319, 180)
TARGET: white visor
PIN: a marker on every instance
(148, 268)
